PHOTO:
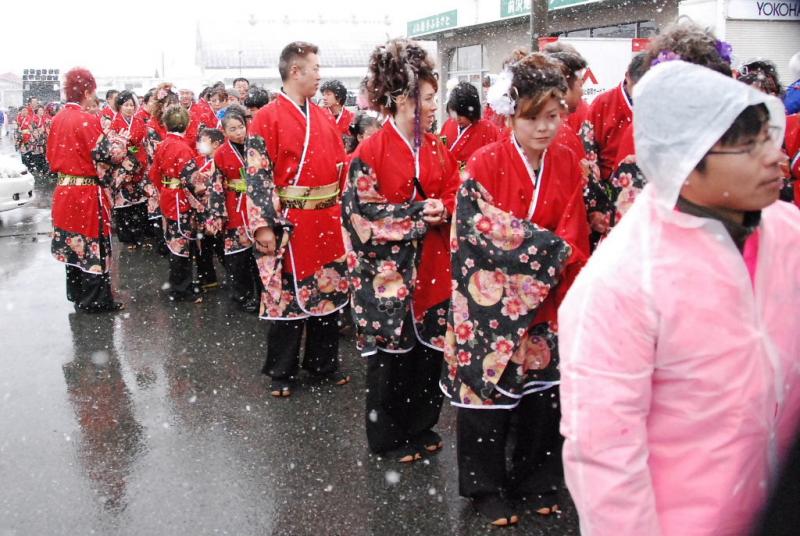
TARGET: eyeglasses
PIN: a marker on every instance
(754, 147)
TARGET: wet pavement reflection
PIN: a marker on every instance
(157, 420)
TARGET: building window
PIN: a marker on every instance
(616, 30)
(469, 64)
(647, 28)
(628, 30)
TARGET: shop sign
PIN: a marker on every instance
(764, 10)
(518, 8)
(434, 23)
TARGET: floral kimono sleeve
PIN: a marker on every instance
(188, 178)
(598, 194)
(115, 160)
(263, 204)
(385, 239)
(627, 181)
(216, 212)
(503, 269)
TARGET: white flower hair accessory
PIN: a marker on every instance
(499, 94)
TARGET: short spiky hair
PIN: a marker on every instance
(78, 81)
(291, 53)
(337, 88)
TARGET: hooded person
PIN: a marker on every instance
(675, 423)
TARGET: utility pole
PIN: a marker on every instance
(538, 26)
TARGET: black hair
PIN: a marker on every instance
(240, 79)
(125, 96)
(204, 93)
(358, 127)
(337, 88)
(213, 134)
(573, 63)
(291, 53)
(637, 67)
(256, 98)
(465, 101)
(234, 111)
(149, 95)
(744, 128)
(110, 93)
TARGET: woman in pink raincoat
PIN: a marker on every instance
(680, 353)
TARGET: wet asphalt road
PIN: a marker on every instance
(157, 421)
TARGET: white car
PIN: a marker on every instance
(16, 183)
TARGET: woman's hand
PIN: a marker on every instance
(434, 212)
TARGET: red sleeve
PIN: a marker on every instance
(574, 228)
(155, 168)
(452, 178)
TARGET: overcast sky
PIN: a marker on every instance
(111, 38)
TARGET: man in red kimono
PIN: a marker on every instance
(334, 96)
(81, 208)
(294, 164)
(465, 131)
(611, 113)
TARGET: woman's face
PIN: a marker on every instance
(235, 131)
(217, 103)
(460, 120)
(536, 134)
(427, 96)
(127, 108)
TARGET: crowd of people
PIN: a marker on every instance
(623, 275)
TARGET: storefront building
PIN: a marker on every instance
(474, 38)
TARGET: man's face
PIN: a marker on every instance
(329, 100)
(34, 103)
(739, 178)
(242, 87)
(185, 97)
(305, 76)
(574, 94)
(111, 99)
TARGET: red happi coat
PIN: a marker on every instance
(463, 145)
(170, 161)
(77, 209)
(391, 158)
(201, 116)
(559, 207)
(792, 145)
(108, 113)
(610, 114)
(343, 121)
(569, 138)
(282, 125)
(576, 119)
(230, 164)
(27, 126)
(137, 136)
(144, 115)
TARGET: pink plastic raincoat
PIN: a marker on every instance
(680, 372)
